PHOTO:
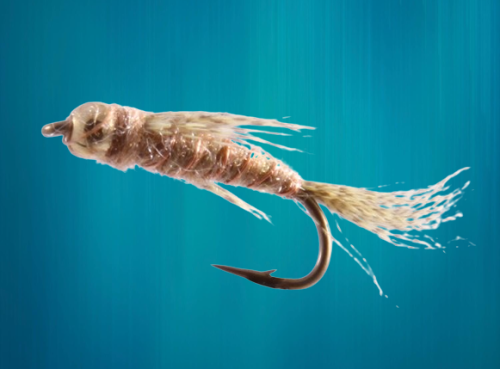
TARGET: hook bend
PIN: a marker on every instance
(325, 252)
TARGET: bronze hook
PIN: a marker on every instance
(325, 252)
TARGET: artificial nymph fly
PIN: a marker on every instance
(205, 149)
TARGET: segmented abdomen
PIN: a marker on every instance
(196, 159)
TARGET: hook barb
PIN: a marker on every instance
(263, 278)
(325, 251)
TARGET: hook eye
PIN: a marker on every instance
(56, 129)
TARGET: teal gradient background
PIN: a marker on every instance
(104, 269)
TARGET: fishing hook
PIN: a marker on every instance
(325, 252)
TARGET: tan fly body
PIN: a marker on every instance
(208, 149)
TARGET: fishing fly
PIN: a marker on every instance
(208, 149)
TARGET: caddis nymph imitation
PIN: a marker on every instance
(205, 149)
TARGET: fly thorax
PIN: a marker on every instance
(107, 133)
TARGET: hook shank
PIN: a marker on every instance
(325, 252)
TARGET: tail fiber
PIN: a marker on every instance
(391, 215)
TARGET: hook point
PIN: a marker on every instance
(263, 278)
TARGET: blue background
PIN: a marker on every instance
(104, 269)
